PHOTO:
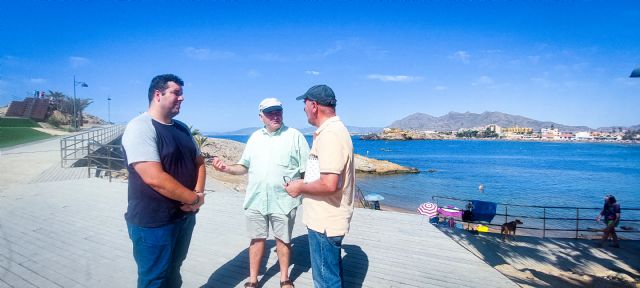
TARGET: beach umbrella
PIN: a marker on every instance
(373, 197)
(428, 209)
(635, 73)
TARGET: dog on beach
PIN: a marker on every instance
(509, 229)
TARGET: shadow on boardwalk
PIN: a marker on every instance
(234, 272)
(554, 262)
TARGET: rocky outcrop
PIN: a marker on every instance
(380, 167)
(399, 134)
(231, 151)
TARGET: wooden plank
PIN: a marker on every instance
(93, 250)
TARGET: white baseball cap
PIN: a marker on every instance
(269, 104)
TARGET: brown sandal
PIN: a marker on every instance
(287, 282)
(251, 284)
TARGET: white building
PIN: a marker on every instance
(583, 136)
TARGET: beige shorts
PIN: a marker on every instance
(281, 225)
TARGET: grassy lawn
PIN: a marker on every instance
(10, 136)
(17, 122)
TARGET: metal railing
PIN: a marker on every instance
(78, 146)
(556, 221)
(107, 159)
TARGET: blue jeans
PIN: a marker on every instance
(326, 261)
(159, 251)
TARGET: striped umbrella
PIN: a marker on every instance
(428, 209)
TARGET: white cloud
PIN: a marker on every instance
(37, 80)
(482, 80)
(335, 49)
(534, 59)
(542, 82)
(271, 57)
(393, 78)
(462, 56)
(76, 61)
(253, 73)
(207, 54)
(311, 72)
(440, 88)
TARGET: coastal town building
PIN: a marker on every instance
(518, 130)
(550, 134)
(583, 136)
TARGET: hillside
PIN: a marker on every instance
(455, 120)
(306, 130)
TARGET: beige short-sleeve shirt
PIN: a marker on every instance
(331, 152)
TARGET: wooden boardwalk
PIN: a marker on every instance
(73, 234)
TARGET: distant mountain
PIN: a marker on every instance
(307, 130)
(243, 131)
(455, 120)
(354, 130)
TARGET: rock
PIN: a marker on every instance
(381, 167)
(230, 151)
(399, 134)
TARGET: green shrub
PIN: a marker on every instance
(54, 122)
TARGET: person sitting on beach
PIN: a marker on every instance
(273, 154)
(611, 214)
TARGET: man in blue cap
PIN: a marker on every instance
(273, 153)
(328, 186)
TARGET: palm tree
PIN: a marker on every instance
(200, 139)
(82, 104)
(58, 99)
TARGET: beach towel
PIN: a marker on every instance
(483, 210)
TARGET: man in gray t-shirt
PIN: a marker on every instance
(166, 183)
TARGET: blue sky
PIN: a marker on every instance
(561, 61)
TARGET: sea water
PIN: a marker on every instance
(526, 173)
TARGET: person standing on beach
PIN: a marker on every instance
(166, 183)
(274, 155)
(611, 214)
(328, 186)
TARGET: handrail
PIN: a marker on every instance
(114, 159)
(76, 147)
(546, 216)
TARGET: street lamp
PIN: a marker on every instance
(109, 109)
(635, 73)
(81, 84)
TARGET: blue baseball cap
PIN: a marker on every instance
(321, 94)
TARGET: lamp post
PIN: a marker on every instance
(81, 84)
(109, 109)
(635, 73)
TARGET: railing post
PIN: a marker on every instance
(544, 221)
(109, 162)
(506, 212)
(88, 159)
(61, 154)
(577, 221)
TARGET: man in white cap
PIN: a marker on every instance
(273, 156)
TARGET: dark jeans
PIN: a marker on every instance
(326, 261)
(159, 251)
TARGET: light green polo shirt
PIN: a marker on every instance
(269, 157)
